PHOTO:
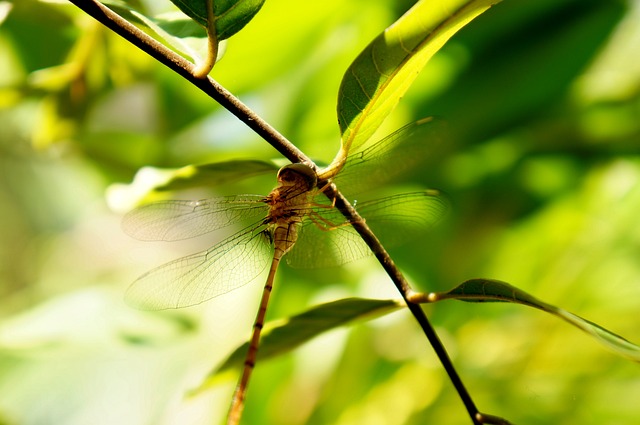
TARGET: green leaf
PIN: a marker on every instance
(230, 15)
(282, 336)
(149, 182)
(383, 72)
(488, 290)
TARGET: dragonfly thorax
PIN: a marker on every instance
(289, 202)
(298, 175)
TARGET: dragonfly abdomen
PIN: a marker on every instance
(285, 234)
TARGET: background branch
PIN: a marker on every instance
(186, 69)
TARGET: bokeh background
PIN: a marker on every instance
(542, 172)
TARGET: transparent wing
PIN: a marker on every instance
(394, 220)
(403, 150)
(178, 220)
(196, 278)
(404, 217)
(318, 247)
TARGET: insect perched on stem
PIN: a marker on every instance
(295, 220)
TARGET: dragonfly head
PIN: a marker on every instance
(296, 175)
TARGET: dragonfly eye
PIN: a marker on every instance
(296, 173)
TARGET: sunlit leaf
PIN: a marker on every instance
(230, 15)
(283, 336)
(488, 290)
(383, 72)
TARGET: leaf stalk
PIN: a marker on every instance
(203, 69)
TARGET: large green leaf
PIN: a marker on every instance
(284, 335)
(230, 15)
(488, 290)
(383, 72)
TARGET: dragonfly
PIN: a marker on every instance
(295, 220)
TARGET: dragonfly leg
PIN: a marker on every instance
(325, 187)
(324, 224)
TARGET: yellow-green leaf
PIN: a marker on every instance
(383, 72)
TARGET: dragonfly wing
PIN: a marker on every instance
(178, 220)
(400, 218)
(319, 247)
(394, 220)
(196, 278)
(387, 159)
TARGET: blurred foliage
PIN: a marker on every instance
(543, 175)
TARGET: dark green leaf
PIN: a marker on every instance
(488, 290)
(230, 15)
(284, 335)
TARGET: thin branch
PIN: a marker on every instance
(405, 290)
(185, 69)
(287, 149)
